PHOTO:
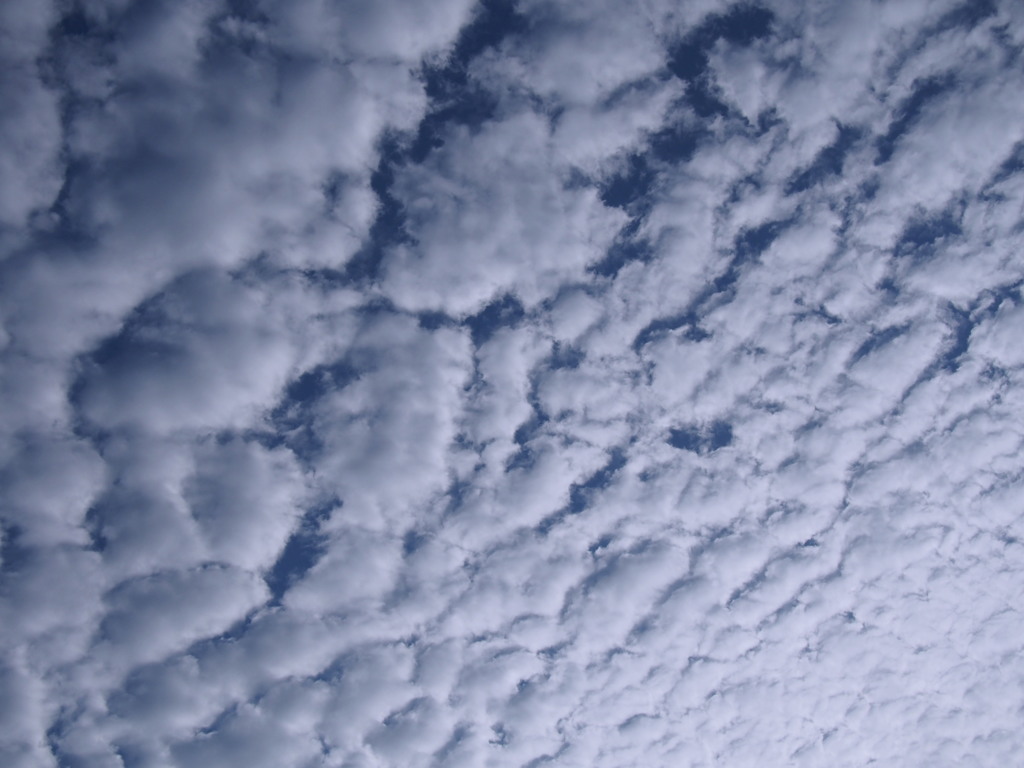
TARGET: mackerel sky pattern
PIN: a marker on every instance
(440, 383)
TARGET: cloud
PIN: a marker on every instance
(510, 384)
(30, 127)
(487, 226)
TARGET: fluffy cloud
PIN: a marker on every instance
(510, 383)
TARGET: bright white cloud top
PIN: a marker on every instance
(408, 384)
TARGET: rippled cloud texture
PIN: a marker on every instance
(513, 383)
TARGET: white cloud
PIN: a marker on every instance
(30, 129)
(246, 500)
(490, 218)
(726, 473)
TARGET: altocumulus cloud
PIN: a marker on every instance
(511, 383)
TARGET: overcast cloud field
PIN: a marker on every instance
(515, 383)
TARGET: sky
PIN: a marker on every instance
(512, 383)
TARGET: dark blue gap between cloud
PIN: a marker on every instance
(703, 97)
(920, 234)
(388, 228)
(319, 381)
(432, 321)
(601, 543)
(454, 98)
(504, 312)
(626, 248)
(748, 245)
(962, 327)
(525, 433)
(581, 494)
(13, 555)
(291, 419)
(304, 549)
(828, 162)
(687, 319)
(740, 25)
(751, 243)
(565, 356)
(963, 320)
(909, 111)
(688, 59)
(967, 15)
(632, 183)
(878, 340)
(677, 143)
(1011, 165)
(701, 439)
(524, 457)
(630, 189)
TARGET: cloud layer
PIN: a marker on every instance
(511, 384)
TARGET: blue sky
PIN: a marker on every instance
(510, 383)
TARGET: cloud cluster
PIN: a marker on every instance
(510, 383)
